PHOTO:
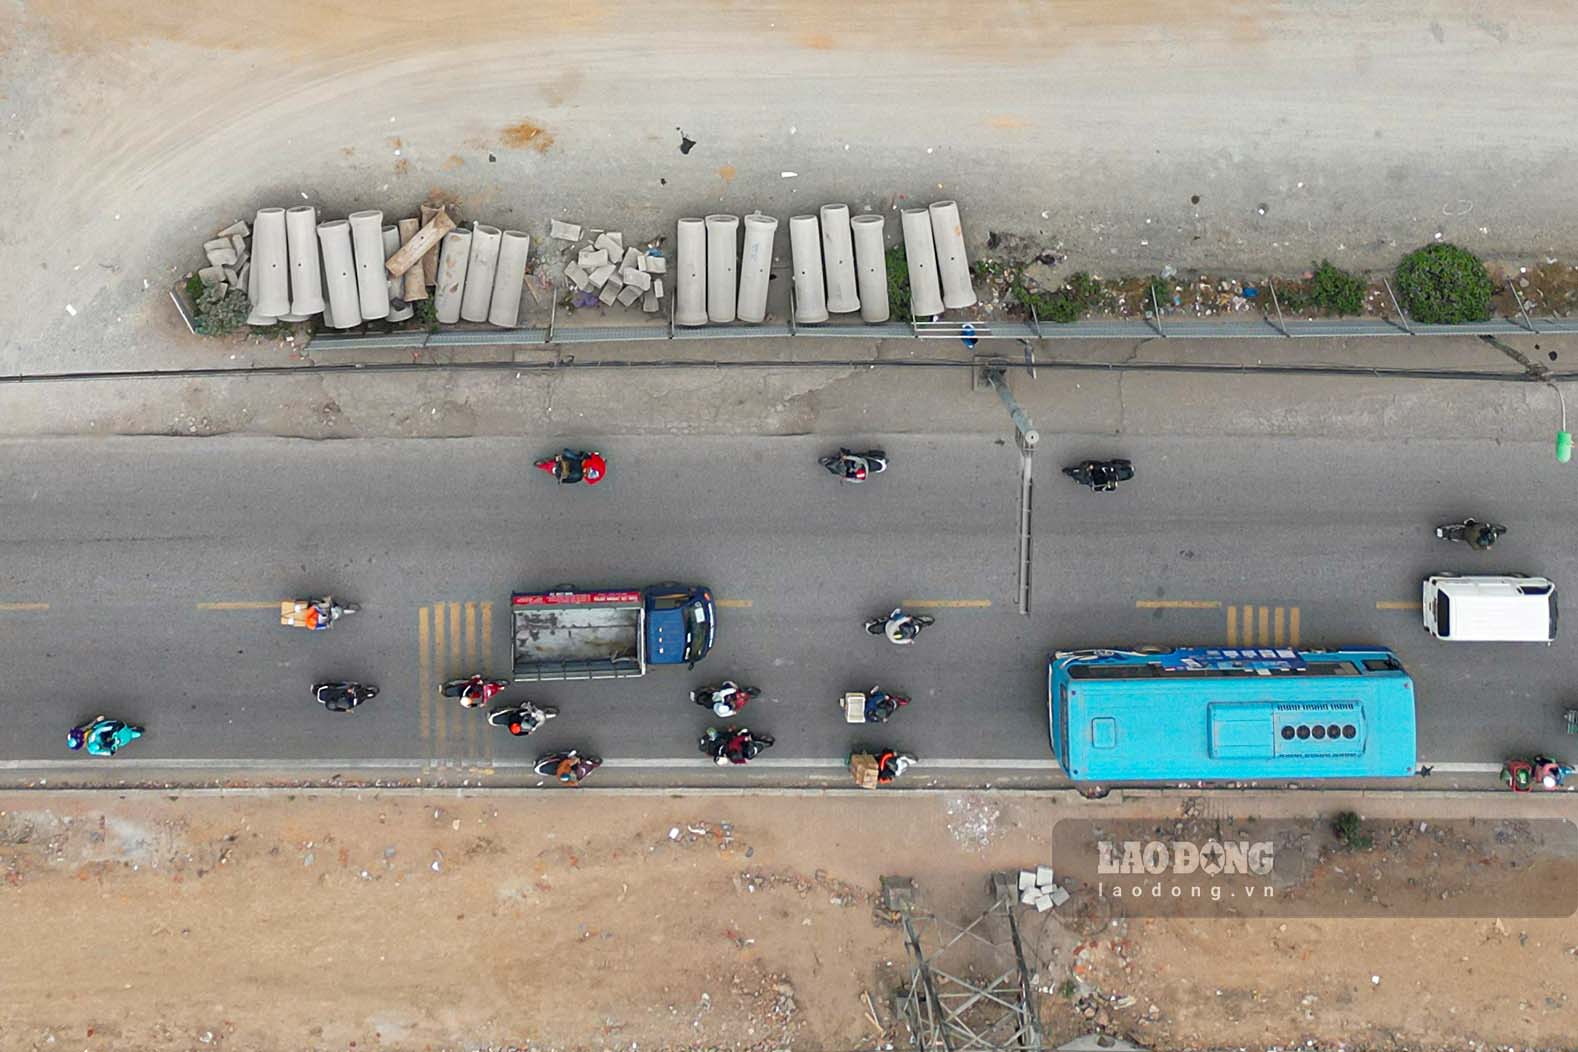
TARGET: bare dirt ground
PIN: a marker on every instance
(1127, 135)
(595, 920)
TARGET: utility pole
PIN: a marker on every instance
(992, 373)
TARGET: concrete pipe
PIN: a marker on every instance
(484, 264)
(268, 259)
(920, 253)
(953, 266)
(372, 281)
(838, 259)
(505, 307)
(690, 289)
(721, 276)
(871, 267)
(805, 249)
(339, 275)
(452, 260)
(396, 286)
(306, 272)
(254, 316)
(756, 265)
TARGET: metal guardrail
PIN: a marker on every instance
(1106, 329)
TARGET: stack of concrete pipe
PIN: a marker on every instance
(938, 266)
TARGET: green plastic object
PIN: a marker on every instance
(1564, 446)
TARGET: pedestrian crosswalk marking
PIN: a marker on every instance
(454, 639)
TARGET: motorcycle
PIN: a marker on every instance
(343, 697)
(726, 699)
(733, 746)
(850, 466)
(880, 706)
(313, 614)
(102, 736)
(899, 627)
(1521, 776)
(569, 767)
(574, 466)
(474, 691)
(1102, 476)
(521, 720)
(1477, 535)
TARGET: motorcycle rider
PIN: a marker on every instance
(1549, 773)
(478, 691)
(343, 697)
(1482, 535)
(727, 699)
(572, 467)
(736, 746)
(100, 736)
(571, 767)
(528, 718)
(880, 705)
(891, 764)
(901, 628)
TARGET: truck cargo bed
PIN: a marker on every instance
(553, 643)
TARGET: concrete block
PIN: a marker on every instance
(629, 262)
(613, 243)
(238, 227)
(601, 275)
(629, 295)
(1030, 897)
(238, 243)
(657, 287)
(211, 276)
(1058, 895)
(217, 242)
(222, 257)
(655, 264)
(577, 277)
(608, 295)
(1044, 876)
(1027, 880)
(639, 278)
(562, 231)
(1043, 903)
(232, 277)
(592, 258)
(649, 302)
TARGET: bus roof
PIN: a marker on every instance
(1176, 724)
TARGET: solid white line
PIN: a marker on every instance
(632, 762)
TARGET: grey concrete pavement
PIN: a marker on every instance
(124, 539)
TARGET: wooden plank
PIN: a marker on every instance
(430, 259)
(426, 238)
(414, 288)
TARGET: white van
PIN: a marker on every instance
(1490, 608)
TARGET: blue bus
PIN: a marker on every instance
(1230, 714)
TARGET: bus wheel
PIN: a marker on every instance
(1094, 792)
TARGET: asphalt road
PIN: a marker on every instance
(136, 578)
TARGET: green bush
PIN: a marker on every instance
(216, 317)
(1444, 285)
(1346, 827)
(1337, 291)
(898, 282)
(1080, 295)
(425, 311)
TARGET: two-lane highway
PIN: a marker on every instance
(137, 577)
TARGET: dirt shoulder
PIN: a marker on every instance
(598, 920)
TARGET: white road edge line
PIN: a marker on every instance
(655, 762)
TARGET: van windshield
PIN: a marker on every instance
(1443, 615)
